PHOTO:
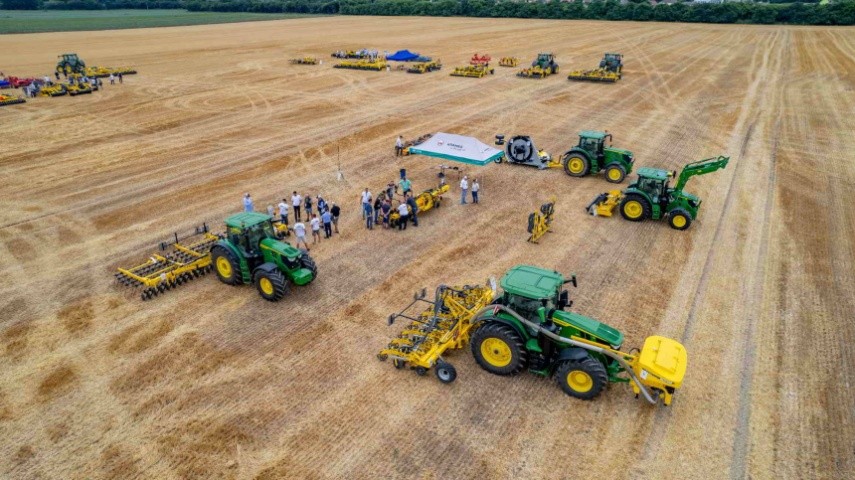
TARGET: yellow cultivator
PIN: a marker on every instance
(596, 75)
(474, 71)
(10, 100)
(377, 65)
(425, 67)
(534, 72)
(77, 88)
(304, 61)
(509, 62)
(55, 90)
(540, 222)
(101, 72)
(184, 262)
(443, 325)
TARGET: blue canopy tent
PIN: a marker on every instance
(457, 148)
(403, 56)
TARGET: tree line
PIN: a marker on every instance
(803, 12)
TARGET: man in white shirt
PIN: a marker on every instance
(399, 146)
(283, 212)
(300, 231)
(476, 187)
(404, 212)
(316, 229)
(366, 202)
(464, 189)
(296, 202)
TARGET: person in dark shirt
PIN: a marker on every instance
(335, 210)
(414, 209)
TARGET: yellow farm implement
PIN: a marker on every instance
(443, 325)
(55, 90)
(540, 222)
(427, 200)
(596, 75)
(10, 100)
(474, 71)
(534, 72)
(509, 62)
(605, 204)
(184, 262)
(425, 67)
(77, 88)
(304, 61)
(377, 65)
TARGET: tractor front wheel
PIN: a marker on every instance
(679, 219)
(226, 265)
(615, 173)
(634, 208)
(583, 379)
(270, 282)
(576, 165)
(499, 349)
(308, 263)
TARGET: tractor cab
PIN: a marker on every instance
(247, 230)
(612, 62)
(528, 289)
(655, 183)
(593, 142)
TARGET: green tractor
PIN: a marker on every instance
(592, 155)
(546, 61)
(651, 195)
(252, 253)
(528, 327)
(612, 62)
(70, 63)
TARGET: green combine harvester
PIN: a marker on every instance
(651, 195)
(591, 156)
(252, 253)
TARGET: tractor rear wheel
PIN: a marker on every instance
(583, 379)
(270, 282)
(679, 219)
(576, 165)
(634, 208)
(615, 173)
(499, 349)
(308, 263)
(226, 265)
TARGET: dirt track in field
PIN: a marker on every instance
(213, 382)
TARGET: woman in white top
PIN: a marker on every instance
(404, 213)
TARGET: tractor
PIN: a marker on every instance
(546, 61)
(592, 156)
(612, 62)
(528, 326)
(651, 195)
(250, 252)
(70, 63)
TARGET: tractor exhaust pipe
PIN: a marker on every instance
(537, 328)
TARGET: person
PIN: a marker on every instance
(369, 216)
(390, 190)
(476, 187)
(247, 203)
(414, 208)
(112, 79)
(120, 78)
(335, 211)
(300, 231)
(322, 204)
(377, 204)
(283, 212)
(316, 228)
(307, 202)
(366, 202)
(270, 210)
(399, 146)
(406, 185)
(296, 202)
(326, 218)
(387, 209)
(464, 188)
(57, 75)
(404, 213)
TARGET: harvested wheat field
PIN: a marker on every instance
(211, 381)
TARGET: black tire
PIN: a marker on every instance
(421, 371)
(674, 219)
(591, 374)
(445, 372)
(645, 207)
(615, 173)
(307, 262)
(499, 159)
(398, 363)
(270, 282)
(494, 331)
(576, 172)
(233, 275)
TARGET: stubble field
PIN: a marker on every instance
(211, 381)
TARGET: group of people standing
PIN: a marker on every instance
(326, 215)
(464, 189)
(379, 210)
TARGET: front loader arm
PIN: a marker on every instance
(700, 167)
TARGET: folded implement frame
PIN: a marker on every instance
(183, 262)
(540, 221)
(443, 325)
(377, 65)
(595, 75)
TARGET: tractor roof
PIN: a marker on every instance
(532, 282)
(654, 173)
(593, 134)
(246, 219)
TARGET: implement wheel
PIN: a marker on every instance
(499, 349)
(445, 372)
(634, 208)
(270, 282)
(679, 219)
(583, 379)
(226, 265)
(615, 173)
(576, 165)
